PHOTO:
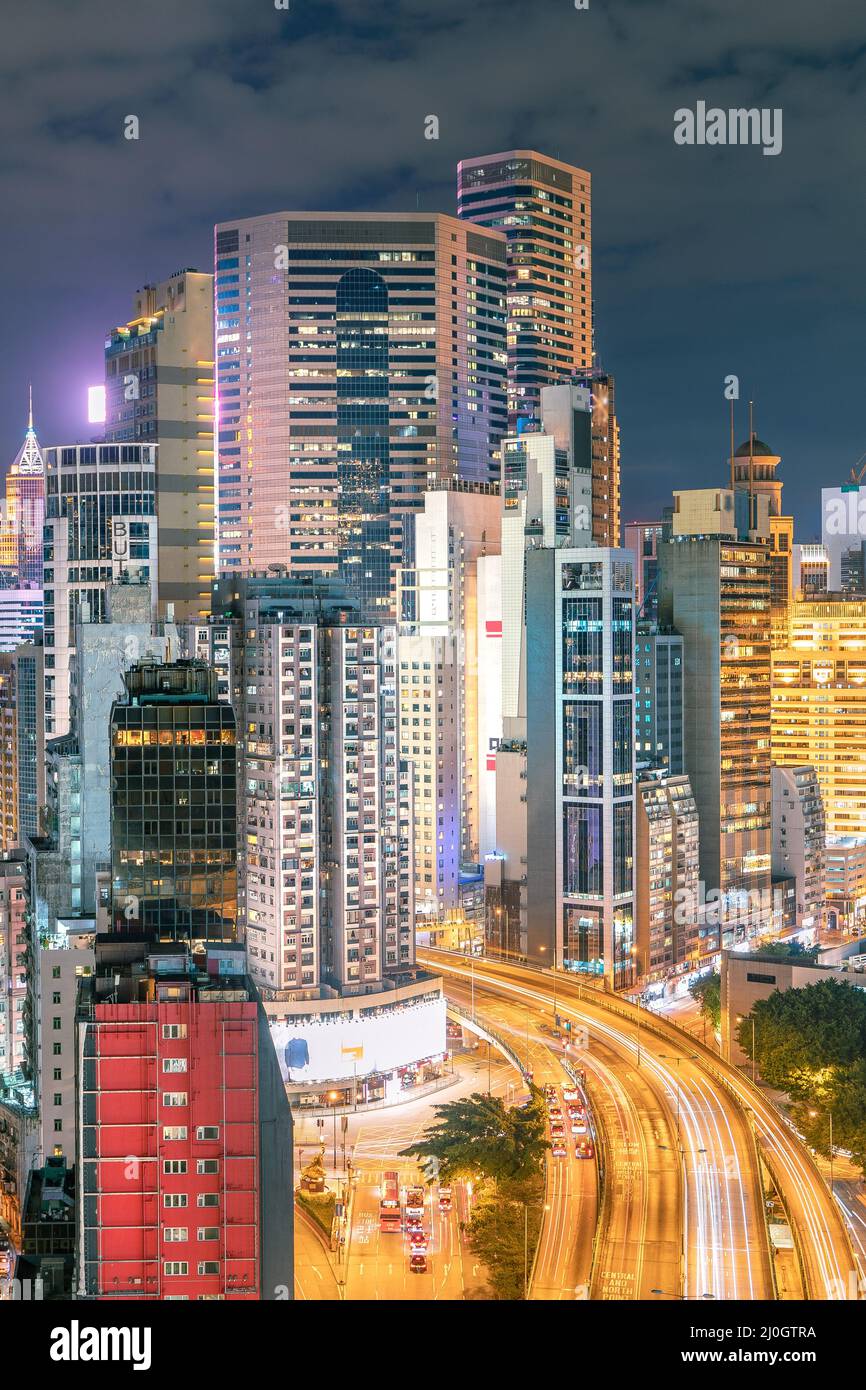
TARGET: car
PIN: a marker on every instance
(558, 1148)
(554, 1112)
(418, 1242)
(584, 1149)
(417, 1264)
(550, 1091)
(569, 1093)
(557, 1131)
(578, 1124)
(413, 1223)
(445, 1199)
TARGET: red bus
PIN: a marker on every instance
(390, 1213)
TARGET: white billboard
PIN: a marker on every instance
(339, 1046)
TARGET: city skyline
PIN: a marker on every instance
(749, 245)
(433, 666)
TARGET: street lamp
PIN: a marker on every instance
(333, 1097)
(814, 1114)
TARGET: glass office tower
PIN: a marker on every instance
(543, 206)
(360, 360)
(174, 806)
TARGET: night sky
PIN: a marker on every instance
(707, 261)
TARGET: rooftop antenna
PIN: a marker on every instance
(751, 461)
(732, 446)
(30, 410)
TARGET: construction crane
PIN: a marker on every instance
(857, 477)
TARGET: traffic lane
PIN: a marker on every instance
(640, 1242)
(564, 1258)
(709, 1214)
(828, 1257)
(314, 1274)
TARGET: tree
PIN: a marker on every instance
(788, 950)
(708, 992)
(805, 1038)
(479, 1135)
(845, 1100)
(503, 1233)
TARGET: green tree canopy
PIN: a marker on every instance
(804, 1038)
(708, 992)
(503, 1234)
(480, 1135)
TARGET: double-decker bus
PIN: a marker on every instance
(390, 1213)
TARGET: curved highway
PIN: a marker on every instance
(666, 1118)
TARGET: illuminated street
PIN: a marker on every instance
(727, 1254)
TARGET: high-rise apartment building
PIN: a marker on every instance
(14, 906)
(715, 589)
(58, 962)
(174, 806)
(799, 832)
(100, 526)
(580, 782)
(670, 931)
(845, 869)
(810, 567)
(178, 1068)
(326, 806)
(658, 698)
(819, 703)
(176, 1064)
(544, 209)
(448, 670)
(360, 360)
(25, 509)
(563, 409)
(8, 755)
(159, 390)
(21, 617)
(22, 745)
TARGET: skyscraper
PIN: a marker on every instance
(544, 208)
(819, 703)
(13, 962)
(174, 806)
(755, 475)
(715, 589)
(546, 495)
(159, 389)
(22, 754)
(360, 358)
(25, 509)
(100, 525)
(658, 698)
(579, 761)
(445, 687)
(326, 805)
(176, 1064)
(799, 840)
(669, 931)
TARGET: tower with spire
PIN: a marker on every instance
(21, 546)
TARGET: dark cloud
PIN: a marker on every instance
(707, 260)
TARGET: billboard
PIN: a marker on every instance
(339, 1046)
